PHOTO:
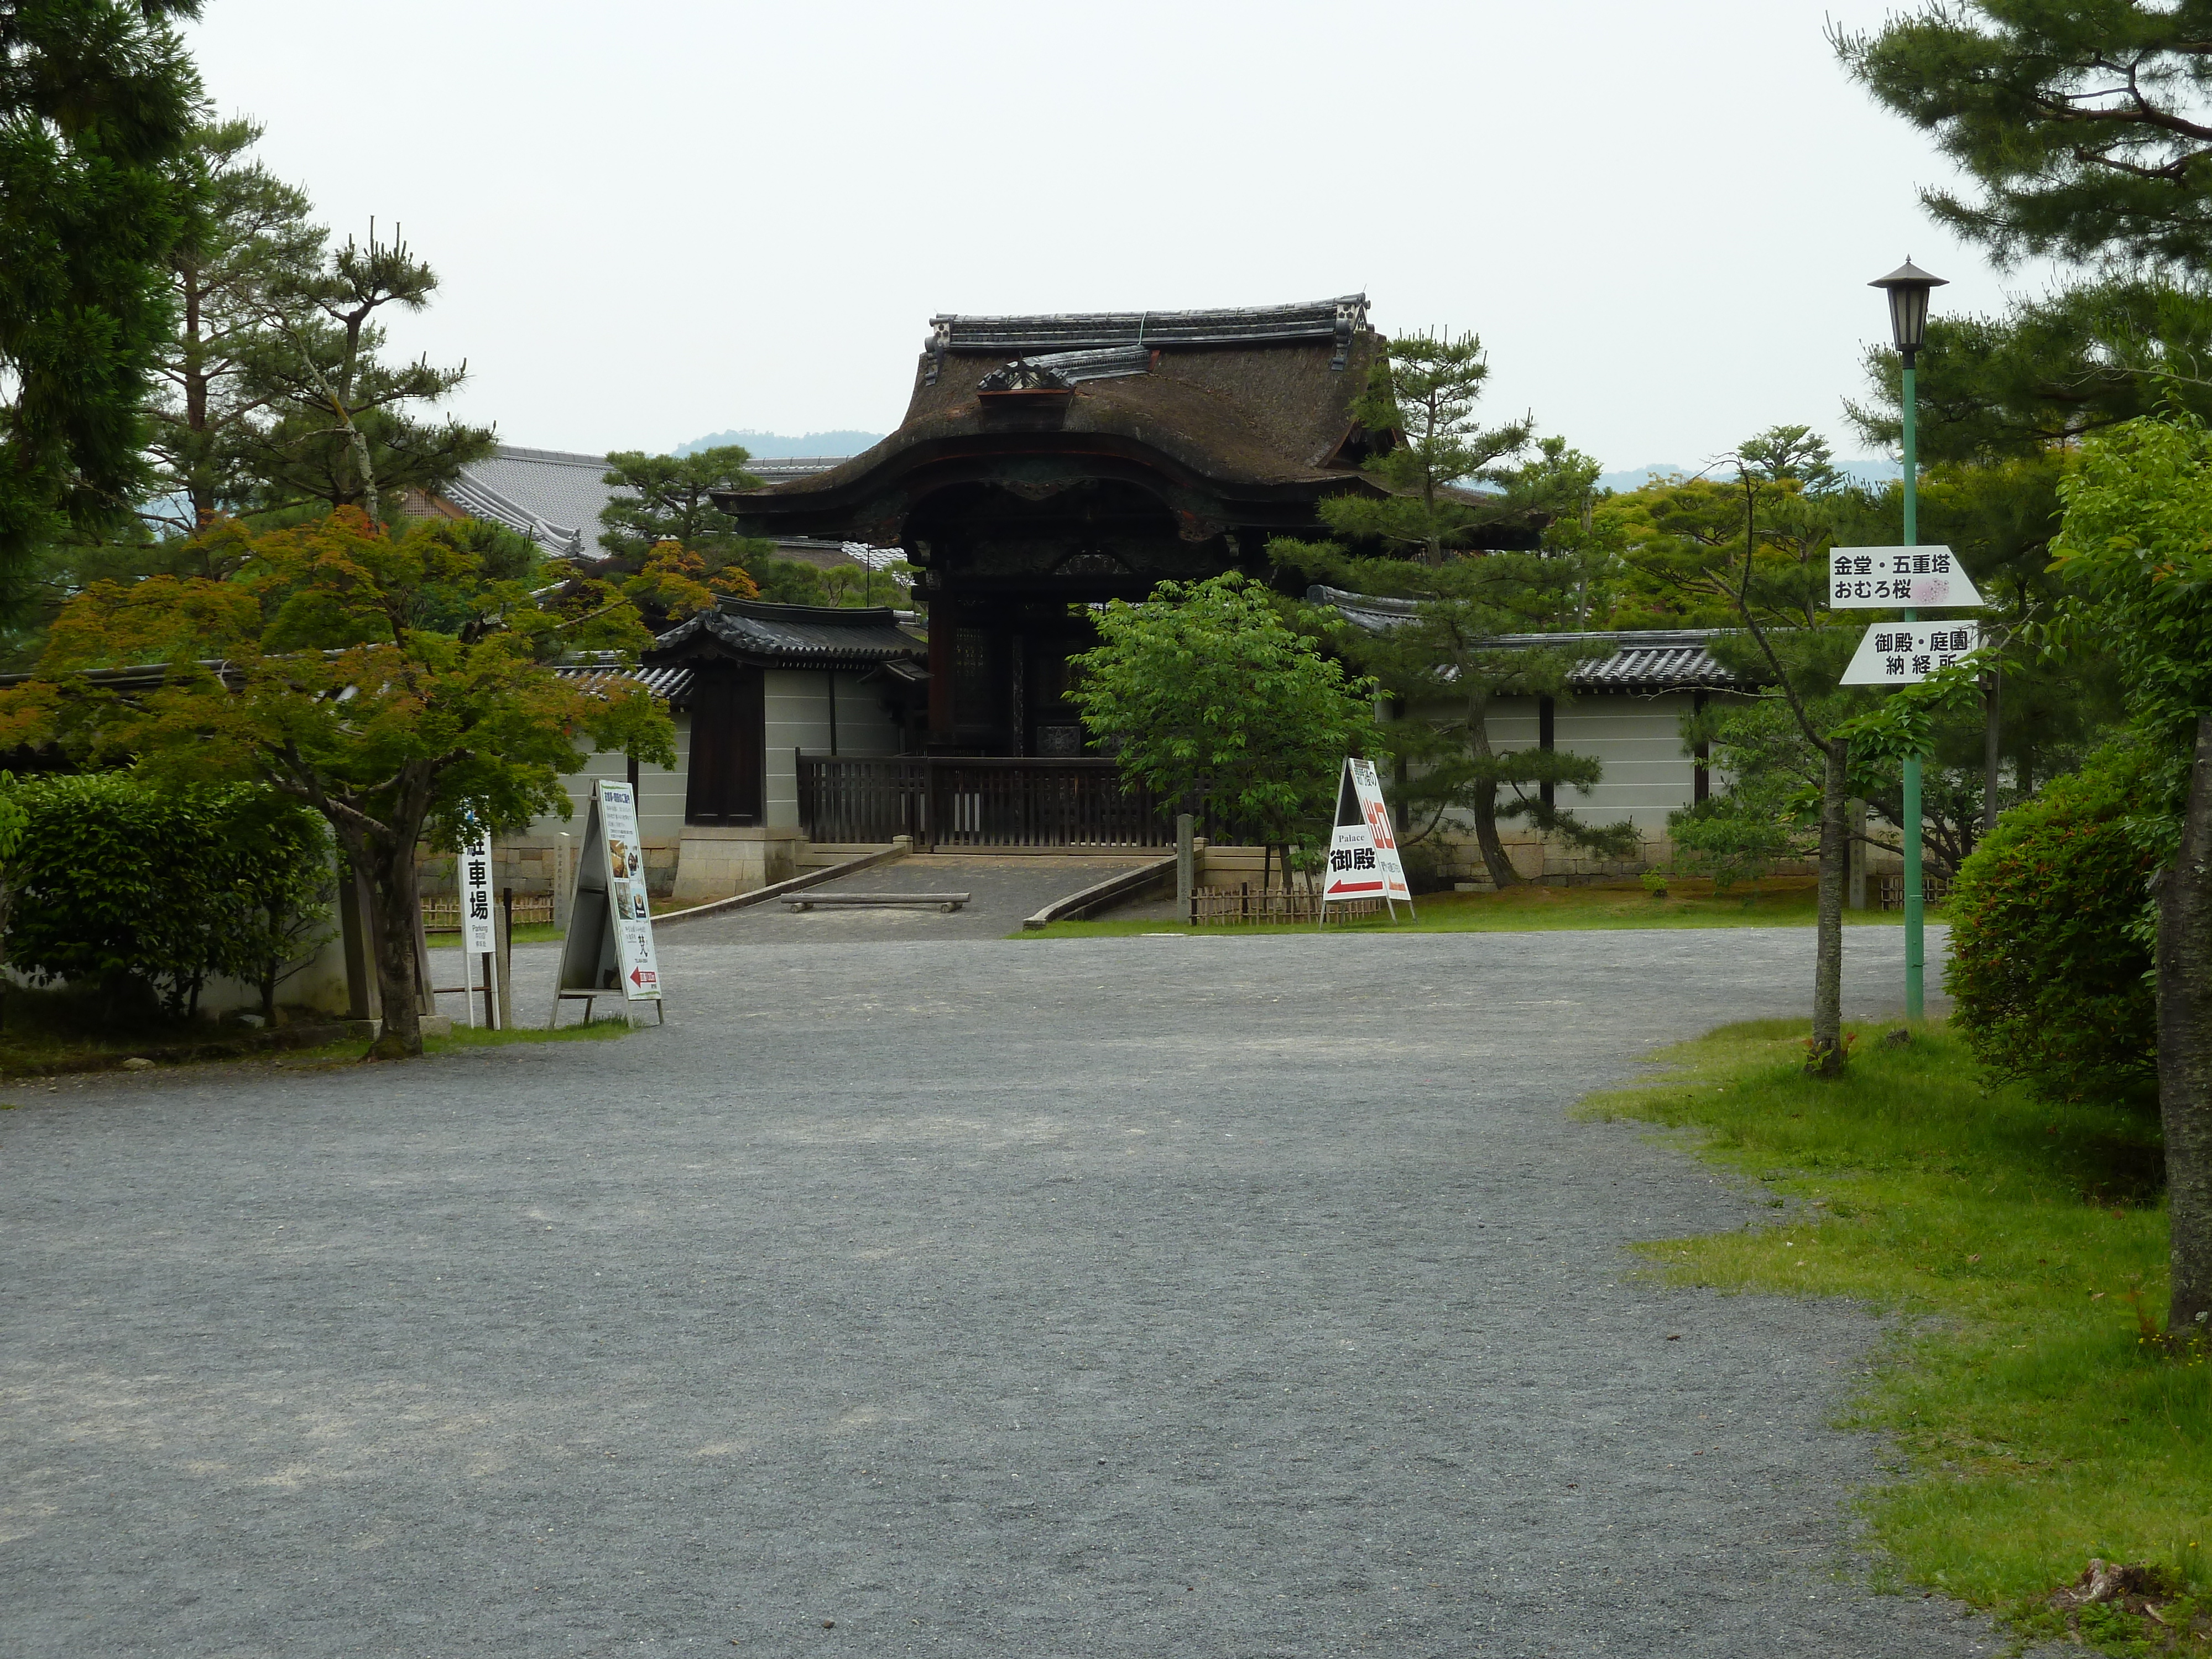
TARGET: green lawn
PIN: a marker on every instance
(2037, 1426)
(1778, 902)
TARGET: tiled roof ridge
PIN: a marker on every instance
(1337, 319)
(564, 457)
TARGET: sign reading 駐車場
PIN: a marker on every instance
(477, 935)
(1906, 653)
(1896, 578)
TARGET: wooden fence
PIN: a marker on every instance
(953, 801)
(443, 915)
(1245, 904)
(1935, 890)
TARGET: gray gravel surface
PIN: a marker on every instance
(1250, 1297)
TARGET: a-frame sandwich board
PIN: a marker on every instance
(1363, 849)
(609, 951)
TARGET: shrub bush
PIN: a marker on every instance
(2049, 954)
(143, 893)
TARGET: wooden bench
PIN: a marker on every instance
(945, 902)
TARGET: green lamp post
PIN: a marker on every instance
(1908, 288)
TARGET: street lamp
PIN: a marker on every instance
(1908, 288)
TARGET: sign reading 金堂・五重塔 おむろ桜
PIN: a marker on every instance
(1906, 653)
(1891, 577)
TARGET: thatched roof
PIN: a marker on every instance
(1248, 405)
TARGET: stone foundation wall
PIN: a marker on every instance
(1539, 860)
(527, 862)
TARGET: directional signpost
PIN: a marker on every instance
(608, 951)
(1906, 653)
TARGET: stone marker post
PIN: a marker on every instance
(1186, 868)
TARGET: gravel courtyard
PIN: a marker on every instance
(1238, 1297)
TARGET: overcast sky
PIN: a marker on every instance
(672, 217)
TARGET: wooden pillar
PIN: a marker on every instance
(1701, 780)
(1547, 718)
(944, 647)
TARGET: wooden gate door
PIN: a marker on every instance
(727, 784)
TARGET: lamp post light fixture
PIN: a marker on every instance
(1908, 288)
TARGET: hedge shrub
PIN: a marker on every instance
(144, 893)
(2049, 955)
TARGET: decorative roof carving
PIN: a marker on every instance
(1060, 371)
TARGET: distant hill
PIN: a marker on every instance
(772, 446)
(1880, 471)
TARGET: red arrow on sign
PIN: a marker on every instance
(637, 976)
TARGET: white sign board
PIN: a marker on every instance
(476, 933)
(1363, 853)
(1906, 653)
(608, 951)
(1893, 578)
(640, 973)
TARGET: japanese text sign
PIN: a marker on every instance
(1888, 578)
(1906, 653)
(476, 936)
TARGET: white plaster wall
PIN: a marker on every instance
(795, 715)
(659, 791)
(1637, 738)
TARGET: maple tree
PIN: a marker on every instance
(330, 668)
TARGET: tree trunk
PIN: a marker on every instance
(394, 908)
(1826, 1055)
(2184, 1049)
(1992, 729)
(1502, 875)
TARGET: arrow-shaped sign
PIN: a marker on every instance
(1906, 653)
(1891, 578)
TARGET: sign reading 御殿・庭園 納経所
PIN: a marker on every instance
(1906, 653)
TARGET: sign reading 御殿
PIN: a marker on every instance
(1894, 578)
(1363, 851)
(1906, 653)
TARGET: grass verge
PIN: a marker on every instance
(1778, 902)
(2039, 1428)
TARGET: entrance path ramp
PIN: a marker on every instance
(1001, 893)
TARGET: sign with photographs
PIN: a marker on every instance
(608, 948)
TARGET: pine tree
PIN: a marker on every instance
(98, 100)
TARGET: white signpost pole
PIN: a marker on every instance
(479, 935)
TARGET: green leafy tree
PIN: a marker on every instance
(319, 671)
(98, 100)
(250, 246)
(2079, 126)
(143, 894)
(2045, 373)
(1767, 574)
(1208, 695)
(2051, 932)
(1419, 542)
(670, 498)
(1422, 397)
(346, 426)
(2137, 547)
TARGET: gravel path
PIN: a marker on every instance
(1240, 1297)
